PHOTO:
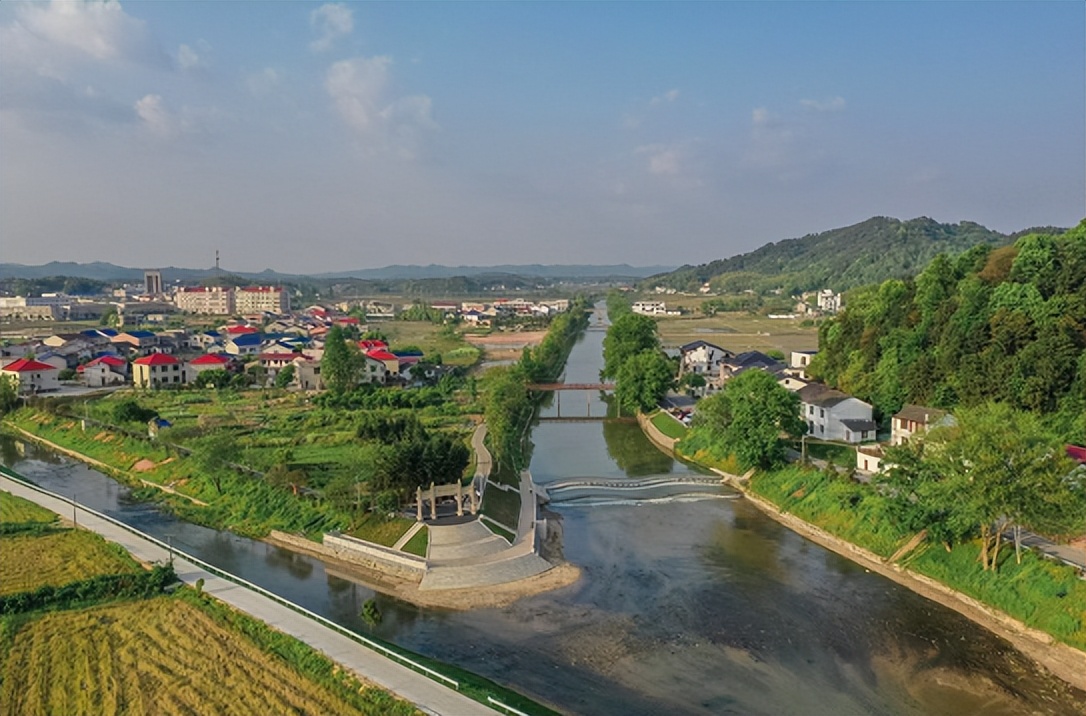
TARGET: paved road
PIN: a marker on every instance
(427, 694)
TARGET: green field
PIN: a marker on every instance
(15, 509)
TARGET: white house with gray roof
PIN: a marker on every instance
(833, 415)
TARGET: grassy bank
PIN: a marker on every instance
(1039, 593)
(243, 504)
(668, 425)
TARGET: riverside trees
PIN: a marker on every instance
(995, 470)
(747, 419)
(632, 356)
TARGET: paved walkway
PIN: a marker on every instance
(469, 555)
(427, 694)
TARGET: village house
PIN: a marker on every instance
(833, 415)
(650, 308)
(159, 370)
(912, 420)
(31, 376)
(243, 344)
(210, 361)
(307, 373)
(733, 365)
(104, 371)
(136, 342)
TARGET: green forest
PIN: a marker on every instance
(869, 252)
(1005, 325)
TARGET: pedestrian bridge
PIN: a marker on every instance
(577, 487)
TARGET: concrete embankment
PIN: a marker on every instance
(655, 435)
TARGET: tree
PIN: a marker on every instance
(761, 411)
(692, 381)
(340, 362)
(631, 334)
(9, 394)
(282, 475)
(215, 378)
(213, 457)
(285, 376)
(129, 411)
(643, 380)
(1008, 472)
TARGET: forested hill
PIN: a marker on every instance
(1005, 325)
(865, 253)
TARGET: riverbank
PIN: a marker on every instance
(1062, 660)
(393, 582)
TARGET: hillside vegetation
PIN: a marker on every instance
(1005, 325)
(869, 252)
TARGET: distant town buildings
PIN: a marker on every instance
(152, 283)
(207, 300)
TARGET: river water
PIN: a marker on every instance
(687, 605)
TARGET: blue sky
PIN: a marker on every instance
(309, 137)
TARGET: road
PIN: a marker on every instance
(426, 694)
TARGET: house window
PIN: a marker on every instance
(810, 410)
(822, 428)
(821, 412)
(848, 436)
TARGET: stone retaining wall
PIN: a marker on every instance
(655, 436)
(359, 552)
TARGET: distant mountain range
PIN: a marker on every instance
(865, 253)
(101, 271)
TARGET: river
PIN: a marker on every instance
(688, 605)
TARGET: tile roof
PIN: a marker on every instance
(110, 360)
(157, 359)
(211, 359)
(25, 365)
(920, 414)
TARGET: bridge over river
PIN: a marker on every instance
(579, 487)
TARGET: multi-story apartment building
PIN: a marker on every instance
(211, 300)
(258, 299)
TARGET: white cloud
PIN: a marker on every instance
(263, 82)
(833, 104)
(662, 159)
(189, 59)
(669, 96)
(331, 21)
(358, 88)
(154, 115)
(101, 30)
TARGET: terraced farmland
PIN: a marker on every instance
(161, 656)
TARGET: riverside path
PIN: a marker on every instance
(425, 693)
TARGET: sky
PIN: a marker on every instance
(310, 137)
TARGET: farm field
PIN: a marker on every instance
(30, 561)
(431, 338)
(160, 656)
(16, 509)
(739, 332)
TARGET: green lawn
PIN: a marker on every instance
(498, 530)
(417, 545)
(668, 425)
(501, 506)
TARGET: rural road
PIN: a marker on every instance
(426, 694)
